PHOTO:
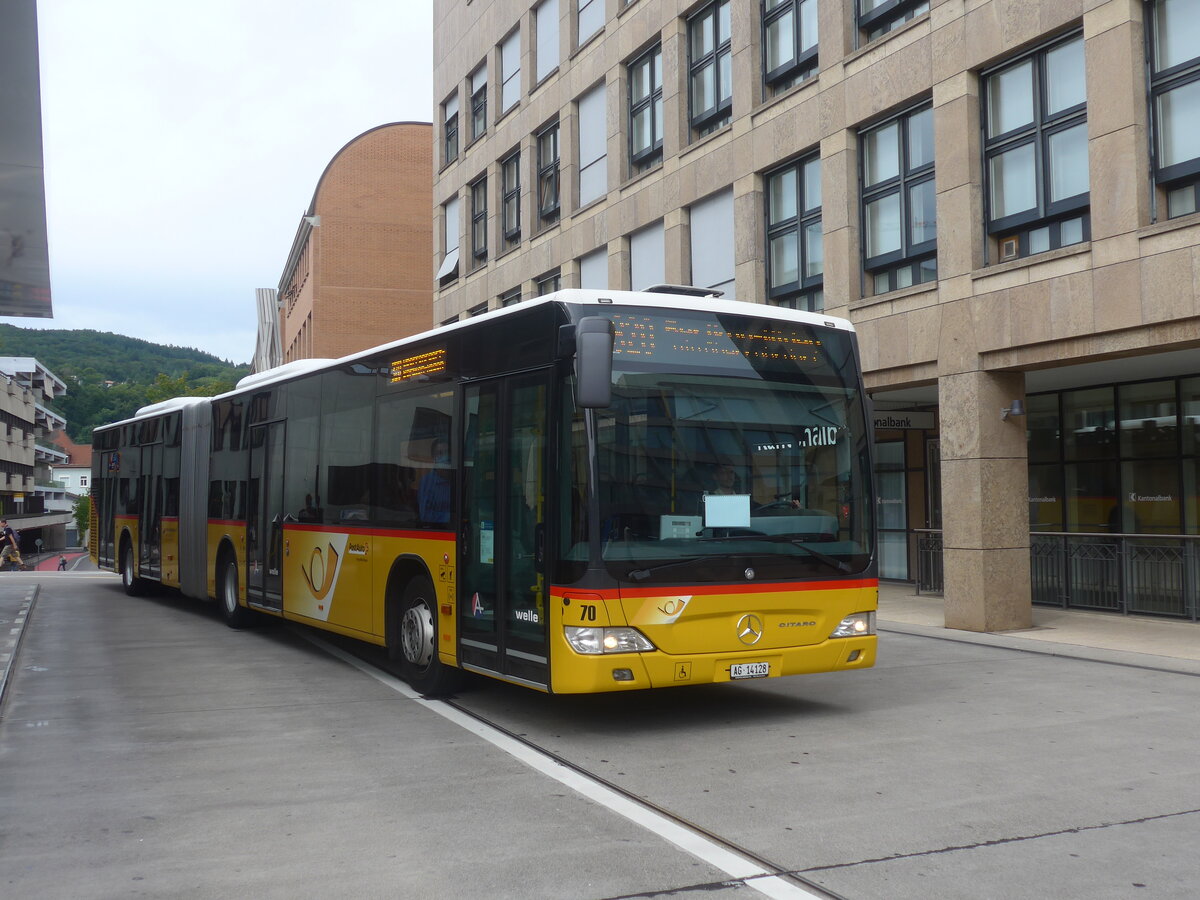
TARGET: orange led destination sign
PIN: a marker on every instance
(428, 363)
(674, 339)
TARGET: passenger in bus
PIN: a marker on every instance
(311, 512)
(724, 480)
(434, 496)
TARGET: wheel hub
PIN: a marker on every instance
(416, 635)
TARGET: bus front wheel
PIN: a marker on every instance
(236, 615)
(414, 641)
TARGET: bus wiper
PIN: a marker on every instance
(830, 561)
(838, 564)
(643, 574)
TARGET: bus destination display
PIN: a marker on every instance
(428, 363)
(704, 340)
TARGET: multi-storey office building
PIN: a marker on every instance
(1000, 194)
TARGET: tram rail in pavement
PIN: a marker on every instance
(1169, 645)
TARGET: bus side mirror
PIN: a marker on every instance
(593, 362)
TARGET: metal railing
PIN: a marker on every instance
(1145, 574)
(1133, 574)
(929, 561)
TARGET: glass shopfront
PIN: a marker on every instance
(1119, 459)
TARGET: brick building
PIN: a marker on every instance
(1001, 194)
(358, 271)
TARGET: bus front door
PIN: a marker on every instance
(264, 539)
(502, 579)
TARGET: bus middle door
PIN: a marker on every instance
(265, 539)
(502, 582)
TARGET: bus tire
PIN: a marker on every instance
(413, 641)
(133, 585)
(235, 615)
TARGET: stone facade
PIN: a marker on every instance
(967, 344)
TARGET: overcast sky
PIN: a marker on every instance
(183, 141)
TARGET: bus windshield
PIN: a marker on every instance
(739, 446)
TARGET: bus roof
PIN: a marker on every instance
(582, 297)
(569, 296)
(156, 409)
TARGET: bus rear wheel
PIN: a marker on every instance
(133, 585)
(414, 642)
(236, 615)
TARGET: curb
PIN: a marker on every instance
(11, 644)
(1130, 658)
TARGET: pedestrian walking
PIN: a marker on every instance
(8, 545)
(62, 563)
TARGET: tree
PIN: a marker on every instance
(82, 513)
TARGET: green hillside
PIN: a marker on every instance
(109, 376)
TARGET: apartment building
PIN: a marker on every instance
(357, 273)
(1000, 194)
(26, 453)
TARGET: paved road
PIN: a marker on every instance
(147, 750)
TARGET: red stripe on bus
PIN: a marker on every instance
(374, 532)
(704, 590)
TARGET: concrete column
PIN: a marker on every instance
(750, 247)
(985, 502)
(1118, 142)
(677, 231)
(839, 220)
(618, 264)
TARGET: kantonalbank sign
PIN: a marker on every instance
(904, 420)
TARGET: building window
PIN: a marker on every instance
(712, 242)
(83, 481)
(795, 243)
(591, 20)
(478, 310)
(479, 248)
(645, 110)
(450, 130)
(449, 268)
(593, 147)
(510, 201)
(510, 298)
(1174, 29)
(479, 102)
(877, 17)
(789, 43)
(547, 162)
(710, 71)
(647, 257)
(899, 209)
(545, 24)
(548, 283)
(1105, 460)
(510, 71)
(1036, 151)
(593, 270)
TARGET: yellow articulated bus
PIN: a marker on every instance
(591, 491)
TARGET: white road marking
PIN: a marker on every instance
(699, 846)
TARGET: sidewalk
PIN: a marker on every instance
(49, 561)
(1169, 644)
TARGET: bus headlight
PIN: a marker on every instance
(855, 625)
(606, 640)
